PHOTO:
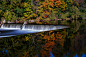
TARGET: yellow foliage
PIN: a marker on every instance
(47, 13)
(26, 54)
(71, 1)
(27, 38)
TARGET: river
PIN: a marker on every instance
(66, 42)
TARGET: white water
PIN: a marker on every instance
(7, 30)
(32, 27)
(11, 26)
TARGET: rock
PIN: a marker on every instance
(25, 22)
(31, 21)
(3, 21)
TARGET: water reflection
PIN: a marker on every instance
(84, 55)
(69, 42)
(51, 54)
(76, 55)
(4, 51)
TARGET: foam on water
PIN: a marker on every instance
(7, 30)
(32, 27)
(11, 26)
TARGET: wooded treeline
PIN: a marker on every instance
(12, 10)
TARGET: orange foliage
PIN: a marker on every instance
(49, 44)
(45, 23)
(45, 11)
(42, 35)
(25, 54)
(49, 0)
(46, 37)
(53, 37)
(59, 38)
(51, 4)
(48, 47)
(45, 16)
(57, 3)
(51, 31)
(47, 53)
(52, 0)
(44, 4)
(43, 53)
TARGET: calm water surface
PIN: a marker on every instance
(70, 42)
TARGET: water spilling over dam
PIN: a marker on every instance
(11, 26)
(32, 27)
(18, 29)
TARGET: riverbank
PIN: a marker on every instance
(42, 21)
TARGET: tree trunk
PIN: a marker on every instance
(33, 39)
(31, 2)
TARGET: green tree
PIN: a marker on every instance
(29, 12)
(8, 15)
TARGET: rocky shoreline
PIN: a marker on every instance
(34, 21)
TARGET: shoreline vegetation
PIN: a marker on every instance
(44, 21)
(39, 11)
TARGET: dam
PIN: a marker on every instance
(19, 29)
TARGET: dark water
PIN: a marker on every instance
(70, 42)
